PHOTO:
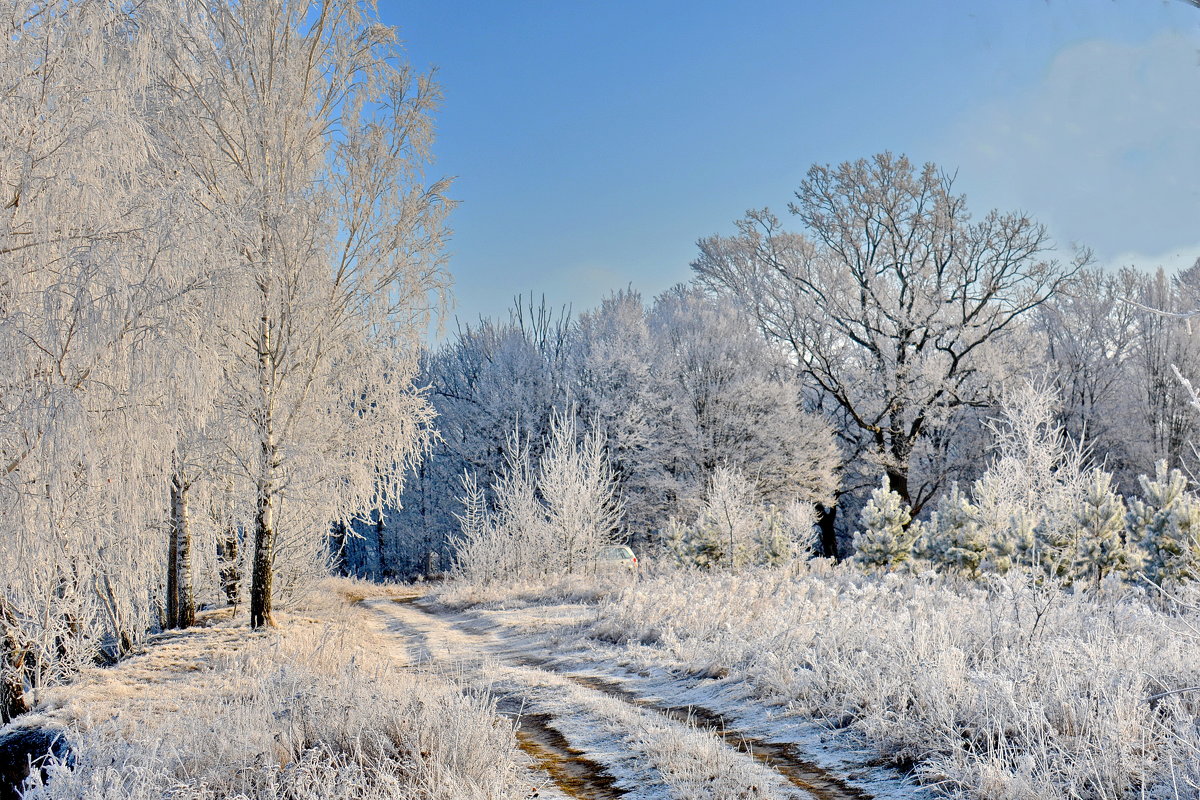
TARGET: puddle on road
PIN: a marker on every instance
(572, 772)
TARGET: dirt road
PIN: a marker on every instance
(596, 729)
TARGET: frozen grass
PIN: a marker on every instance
(1004, 691)
(579, 588)
(317, 709)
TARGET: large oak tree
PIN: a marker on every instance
(892, 299)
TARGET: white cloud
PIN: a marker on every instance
(1105, 148)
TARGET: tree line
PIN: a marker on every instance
(880, 338)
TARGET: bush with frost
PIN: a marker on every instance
(735, 527)
(541, 522)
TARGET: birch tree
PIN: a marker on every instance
(86, 299)
(320, 136)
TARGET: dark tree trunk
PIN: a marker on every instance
(172, 620)
(181, 601)
(827, 524)
(12, 668)
(230, 574)
(267, 497)
(264, 556)
(381, 546)
(898, 483)
(337, 538)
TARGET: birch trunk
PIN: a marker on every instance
(264, 514)
(381, 545)
(227, 556)
(172, 620)
(181, 599)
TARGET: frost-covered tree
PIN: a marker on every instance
(576, 483)
(956, 536)
(616, 388)
(894, 302)
(727, 401)
(321, 136)
(1102, 548)
(1094, 342)
(786, 534)
(886, 539)
(1036, 478)
(729, 517)
(1166, 519)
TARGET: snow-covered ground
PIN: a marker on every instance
(817, 683)
(643, 731)
(1010, 688)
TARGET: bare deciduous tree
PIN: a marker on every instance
(893, 301)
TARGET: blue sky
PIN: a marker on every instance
(595, 142)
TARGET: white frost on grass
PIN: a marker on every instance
(315, 710)
(563, 637)
(1007, 690)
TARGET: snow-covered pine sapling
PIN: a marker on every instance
(1101, 519)
(886, 539)
(1166, 520)
(959, 538)
(1013, 543)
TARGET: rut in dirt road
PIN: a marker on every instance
(574, 774)
(593, 780)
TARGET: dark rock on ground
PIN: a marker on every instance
(25, 747)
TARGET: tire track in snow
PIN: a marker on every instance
(782, 759)
(572, 773)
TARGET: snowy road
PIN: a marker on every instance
(596, 728)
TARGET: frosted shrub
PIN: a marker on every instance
(578, 487)
(1037, 474)
(787, 533)
(887, 538)
(956, 536)
(546, 522)
(729, 518)
(1166, 519)
(735, 527)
